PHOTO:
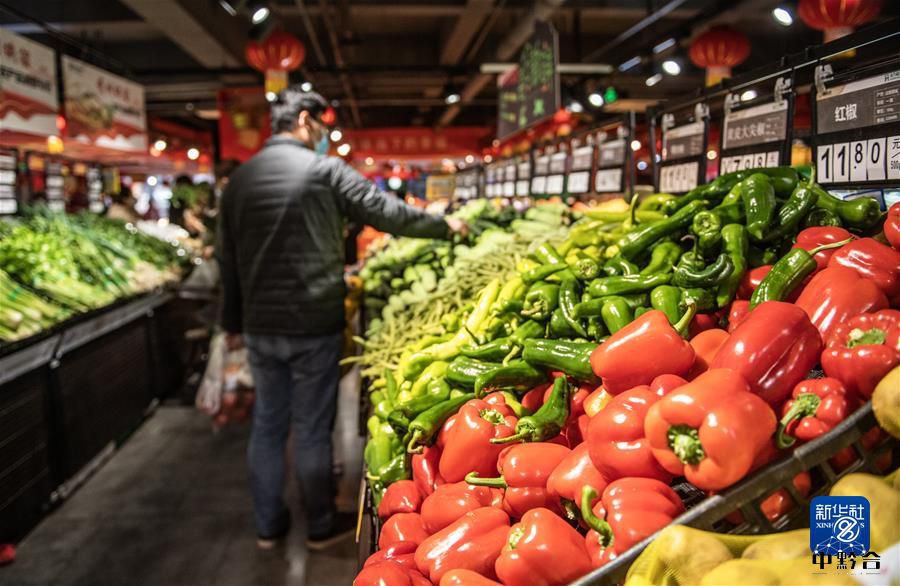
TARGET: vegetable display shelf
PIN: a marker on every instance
(67, 396)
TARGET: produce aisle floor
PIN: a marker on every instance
(172, 508)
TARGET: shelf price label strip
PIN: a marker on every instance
(758, 136)
(683, 163)
(856, 128)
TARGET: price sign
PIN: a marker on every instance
(608, 180)
(579, 182)
(679, 178)
(522, 188)
(857, 138)
(684, 141)
(758, 136)
(542, 165)
(611, 163)
(538, 185)
(683, 165)
(612, 153)
(509, 172)
(509, 188)
(523, 169)
(556, 184)
(8, 202)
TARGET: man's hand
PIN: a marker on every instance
(234, 342)
(457, 226)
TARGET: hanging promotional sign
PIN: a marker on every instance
(103, 109)
(27, 86)
(683, 165)
(758, 136)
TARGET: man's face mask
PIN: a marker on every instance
(321, 146)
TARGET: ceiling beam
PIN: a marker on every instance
(339, 62)
(311, 32)
(464, 30)
(184, 30)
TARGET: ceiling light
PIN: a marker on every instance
(226, 5)
(160, 145)
(306, 86)
(488, 158)
(642, 165)
(470, 159)
(154, 152)
(595, 99)
(452, 98)
(663, 46)
(271, 96)
(193, 154)
(711, 155)
(671, 67)
(653, 80)
(574, 106)
(633, 62)
(344, 149)
(336, 135)
(635, 145)
(394, 182)
(748, 95)
(259, 12)
(370, 161)
(610, 95)
(152, 180)
(783, 16)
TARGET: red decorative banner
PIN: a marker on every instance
(243, 122)
(417, 143)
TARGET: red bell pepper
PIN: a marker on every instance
(773, 349)
(739, 311)
(816, 236)
(542, 550)
(705, 344)
(472, 542)
(642, 350)
(596, 401)
(425, 470)
(837, 294)
(400, 497)
(616, 441)
(709, 430)
(780, 502)
(573, 472)
(389, 573)
(524, 470)
(630, 510)
(449, 502)
(751, 280)
(873, 261)
(817, 405)
(402, 527)
(861, 350)
(466, 578)
(665, 384)
(892, 226)
(467, 447)
(848, 456)
(402, 552)
(533, 399)
(703, 322)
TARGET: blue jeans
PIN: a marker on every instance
(296, 381)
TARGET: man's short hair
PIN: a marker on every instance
(290, 102)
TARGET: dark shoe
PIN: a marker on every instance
(343, 527)
(270, 542)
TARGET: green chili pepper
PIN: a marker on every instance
(758, 196)
(572, 358)
(546, 254)
(528, 329)
(637, 241)
(821, 217)
(586, 269)
(662, 258)
(619, 266)
(706, 221)
(518, 375)
(382, 409)
(733, 198)
(377, 396)
(398, 421)
(712, 275)
(559, 327)
(547, 422)
(540, 273)
(641, 311)
(434, 371)
(596, 329)
(757, 257)
(396, 469)
(390, 389)
(667, 299)
(437, 391)
(428, 422)
(568, 298)
(627, 284)
(731, 214)
(691, 260)
(861, 213)
(794, 210)
(787, 274)
(463, 371)
(615, 218)
(734, 238)
(541, 300)
(701, 299)
(514, 404)
(594, 307)
(616, 314)
(654, 202)
(379, 449)
(492, 351)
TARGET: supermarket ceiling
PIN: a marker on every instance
(392, 62)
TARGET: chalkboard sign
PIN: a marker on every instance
(8, 164)
(857, 128)
(529, 93)
(757, 136)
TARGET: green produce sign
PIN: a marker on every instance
(529, 93)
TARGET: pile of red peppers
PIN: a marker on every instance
(539, 491)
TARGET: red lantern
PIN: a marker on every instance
(718, 50)
(276, 56)
(837, 17)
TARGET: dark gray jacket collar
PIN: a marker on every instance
(279, 140)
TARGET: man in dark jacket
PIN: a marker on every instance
(281, 253)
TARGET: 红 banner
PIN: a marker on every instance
(414, 143)
(103, 109)
(27, 86)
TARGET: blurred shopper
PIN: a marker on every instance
(122, 207)
(281, 254)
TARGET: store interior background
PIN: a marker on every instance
(413, 94)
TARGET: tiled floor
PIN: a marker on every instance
(171, 508)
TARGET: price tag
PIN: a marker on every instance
(7, 177)
(875, 155)
(509, 188)
(858, 160)
(539, 185)
(842, 162)
(893, 157)
(825, 164)
(56, 206)
(608, 180)
(522, 188)
(679, 178)
(96, 207)
(555, 184)
(8, 206)
(579, 182)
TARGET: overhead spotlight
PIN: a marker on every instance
(152, 180)
(271, 96)
(748, 95)
(394, 182)
(226, 5)
(259, 11)
(635, 145)
(642, 165)
(670, 42)
(671, 67)
(574, 106)
(653, 79)
(193, 154)
(470, 159)
(370, 161)
(343, 150)
(631, 63)
(336, 135)
(452, 98)
(306, 86)
(595, 99)
(711, 155)
(783, 16)
(160, 145)
(488, 158)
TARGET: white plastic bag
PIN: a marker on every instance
(226, 393)
(209, 395)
